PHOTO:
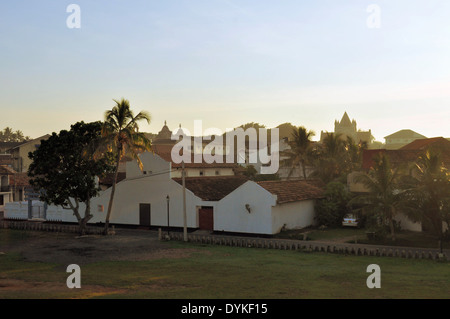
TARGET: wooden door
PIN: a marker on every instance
(206, 218)
(144, 214)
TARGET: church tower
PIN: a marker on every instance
(346, 127)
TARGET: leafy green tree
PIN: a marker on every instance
(120, 134)
(334, 206)
(65, 172)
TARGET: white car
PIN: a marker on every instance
(350, 220)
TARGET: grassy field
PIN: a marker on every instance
(348, 234)
(226, 272)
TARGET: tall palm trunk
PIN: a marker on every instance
(391, 225)
(113, 190)
(391, 215)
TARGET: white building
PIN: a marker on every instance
(152, 198)
(242, 206)
(401, 138)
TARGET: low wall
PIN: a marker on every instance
(306, 246)
(40, 226)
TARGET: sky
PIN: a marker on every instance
(228, 62)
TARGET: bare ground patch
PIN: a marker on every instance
(62, 248)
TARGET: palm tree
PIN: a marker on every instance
(385, 197)
(120, 133)
(355, 152)
(432, 192)
(329, 158)
(300, 148)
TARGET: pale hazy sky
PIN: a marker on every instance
(227, 62)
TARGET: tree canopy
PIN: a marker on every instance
(65, 171)
(9, 135)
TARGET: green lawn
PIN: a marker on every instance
(227, 272)
(349, 234)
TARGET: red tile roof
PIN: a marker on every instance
(212, 188)
(6, 170)
(398, 157)
(292, 191)
(108, 179)
(19, 180)
(216, 188)
(425, 143)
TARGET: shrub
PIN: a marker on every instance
(331, 210)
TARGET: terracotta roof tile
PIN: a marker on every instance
(6, 170)
(212, 188)
(425, 143)
(108, 179)
(292, 191)
(19, 180)
(398, 157)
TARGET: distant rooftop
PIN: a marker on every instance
(165, 152)
(423, 144)
(405, 134)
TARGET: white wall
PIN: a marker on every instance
(148, 190)
(152, 164)
(137, 188)
(231, 215)
(293, 215)
(16, 210)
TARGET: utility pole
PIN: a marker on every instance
(168, 221)
(183, 173)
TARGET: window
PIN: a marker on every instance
(2, 202)
(201, 173)
(217, 173)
